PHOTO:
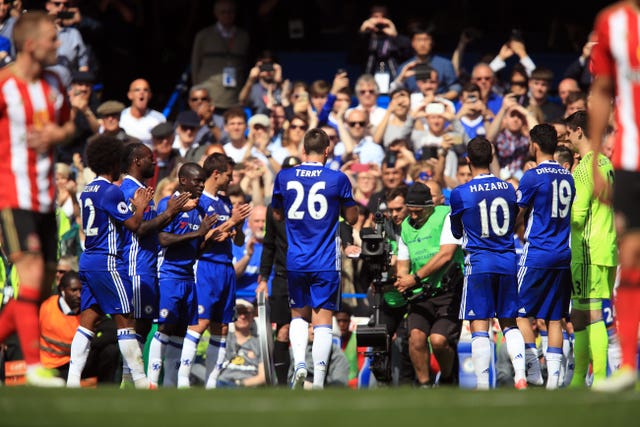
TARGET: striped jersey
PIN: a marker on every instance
(547, 191)
(104, 209)
(26, 175)
(616, 55)
(140, 252)
(593, 233)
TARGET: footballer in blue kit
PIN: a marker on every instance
(180, 240)
(215, 275)
(483, 213)
(309, 198)
(106, 284)
(545, 196)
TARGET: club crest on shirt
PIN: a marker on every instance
(164, 313)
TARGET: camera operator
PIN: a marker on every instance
(430, 276)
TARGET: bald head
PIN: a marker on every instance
(565, 87)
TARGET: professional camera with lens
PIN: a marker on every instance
(376, 256)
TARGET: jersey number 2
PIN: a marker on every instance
(90, 230)
(314, 198)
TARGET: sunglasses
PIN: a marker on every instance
(519, 83)
(199, 99)
(354, 124)
(61, 271)
(59, 3)
(333, 137)
(364, 92)
(301, 127)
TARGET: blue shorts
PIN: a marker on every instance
(216, 285)
(178, 302)
(109, 290)
(544, 293)
(145, 296)
(319, 289)
(488, 295)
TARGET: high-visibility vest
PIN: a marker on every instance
(56, 333)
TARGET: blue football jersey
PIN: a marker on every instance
(483, 213)
(310, 197)
(140, 252)
(548, 191)
(104, 209)
(220, 205)
(176, 261)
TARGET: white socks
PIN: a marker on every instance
(186, 358)
(515, 348)
(79, 353)
(130, 350)
(481, 357)
(321, 349)
(156, 355)
(216, 353)
(534, 375)
(554, 360)
(299, 338)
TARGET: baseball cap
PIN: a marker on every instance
(419, 196)
(260, 119)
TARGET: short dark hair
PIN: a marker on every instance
(421, 28)
(479, 152)
(65, 280)
(188, 170)
(400, 191)
(578, 120)
(564, 154)
(217, 162)
(234, 112)
(132, 151)
(542, 73)
(545, 136)
(104, 154)
(315, 141)
(576, 96)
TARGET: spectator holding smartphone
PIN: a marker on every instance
(264, 83)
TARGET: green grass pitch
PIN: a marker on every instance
(392, 407)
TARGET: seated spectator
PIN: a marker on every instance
(576, 101)
(109, 114)
(211, 123)
(167, 157)
(59, 320)
(292, 139)
(243, 365)
(539, 85)
(483, 76)
(565, 87)
(319, 93)
(238, 147)
(367, 93)
(357, 139)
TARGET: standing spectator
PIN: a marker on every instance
(473, 113)
(218, 56)
(612, 77)
(72, 52)
(565, 87)
(539, 85)
(367, 93)
(292, 139)
(262, 85)
(31, 246)
(108, 288)
(580, 69)
(312, 258)
(80, 96)
(239, 147)
(422, 44)
(138, 119)
(594, 256)
(396, 123)
(211, 123)
(490, 288)
(383, 42)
